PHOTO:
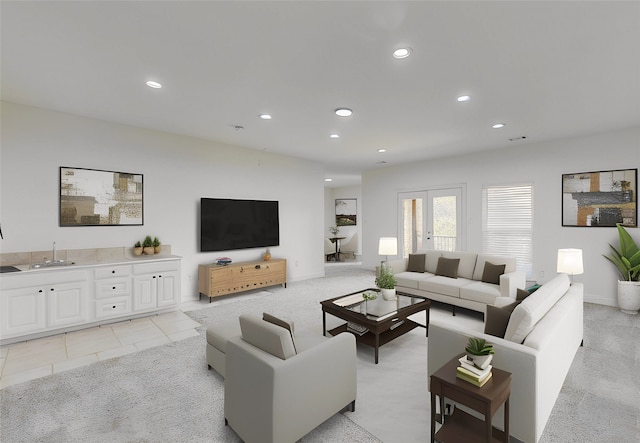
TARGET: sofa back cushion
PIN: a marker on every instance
(508, 262)
(267, 336)
(431, 260)
(533, 308)
(467, 262)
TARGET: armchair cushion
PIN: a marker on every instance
(269, 337)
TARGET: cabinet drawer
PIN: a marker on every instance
(113, 287)
(113, 271)
(113, 307)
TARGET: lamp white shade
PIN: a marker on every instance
(570, 261)
(388, 246)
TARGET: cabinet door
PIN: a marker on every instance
(167, 289)
(66, 304)
(23, 311)
(145, 292)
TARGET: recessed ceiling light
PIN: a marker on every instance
(498, 126)
(265, 116)
(402, 52)
(154, 85)
(344, 112)
(334, 136)
(328, 179)
(464, 98)
(382, 150)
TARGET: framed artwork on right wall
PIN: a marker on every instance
(602, 198)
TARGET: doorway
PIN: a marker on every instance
(430, 219)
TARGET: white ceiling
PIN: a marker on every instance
(547, 69)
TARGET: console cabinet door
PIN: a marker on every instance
(23, 311)
(66, 304)
(168, 290)
(145, 292)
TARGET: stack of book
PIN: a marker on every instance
(467, 371)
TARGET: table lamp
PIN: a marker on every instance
(570, 262)
(387, 246)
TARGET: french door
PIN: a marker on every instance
(430, 219)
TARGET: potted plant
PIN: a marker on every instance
(156, 245)
(334, 230)
(627, 261)
(147, 245)
(386, 281)
(137, 248)
(479, 352)
(367, 296)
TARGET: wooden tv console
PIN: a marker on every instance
(215, 280)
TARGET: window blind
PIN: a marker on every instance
(507, 224)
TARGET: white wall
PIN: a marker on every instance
(177, 170)
(541, 164)
(330, 196)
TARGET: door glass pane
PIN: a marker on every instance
(444, 223)
(412, 225)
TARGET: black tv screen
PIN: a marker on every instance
(227, 224)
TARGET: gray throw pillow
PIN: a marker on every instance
(492, 273)
(448, 267)
(521, 294)
(497, 319)
(416, 262)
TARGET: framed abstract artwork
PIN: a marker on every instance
(603, 198)
(91, 197)
(346, 210)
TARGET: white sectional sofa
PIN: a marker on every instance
(468, 290)
(542, 337)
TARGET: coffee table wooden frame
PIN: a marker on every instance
(380, 332)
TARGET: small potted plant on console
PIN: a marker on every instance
(147, 245)
(137, 248)
(156, 245)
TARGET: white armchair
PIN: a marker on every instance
(280, 386)
(329, 249)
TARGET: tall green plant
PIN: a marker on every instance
(627, 258)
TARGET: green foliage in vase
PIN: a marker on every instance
(156, 242)
(386, 280)
(148, 242)
(479, 346)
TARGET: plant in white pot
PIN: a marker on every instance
(479, 352)
(627, 262)
(386, 281)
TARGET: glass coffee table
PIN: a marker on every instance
(377, 323)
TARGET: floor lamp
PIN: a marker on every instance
(570, 262)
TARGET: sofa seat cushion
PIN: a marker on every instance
(411, 279)
(533, 308)
(444, 285)
(486, 293)
(467, 262)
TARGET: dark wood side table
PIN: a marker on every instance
(461, 426)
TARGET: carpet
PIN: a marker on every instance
(166, 393)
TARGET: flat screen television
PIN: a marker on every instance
(227, 224)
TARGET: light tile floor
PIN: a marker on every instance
(24, 361)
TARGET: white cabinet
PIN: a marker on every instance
(112, 291)
(23, 311)
(35, 303)
(42, 302)
(156, 285)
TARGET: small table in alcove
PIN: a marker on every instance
(336, 240)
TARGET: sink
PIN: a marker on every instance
(54, 263)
